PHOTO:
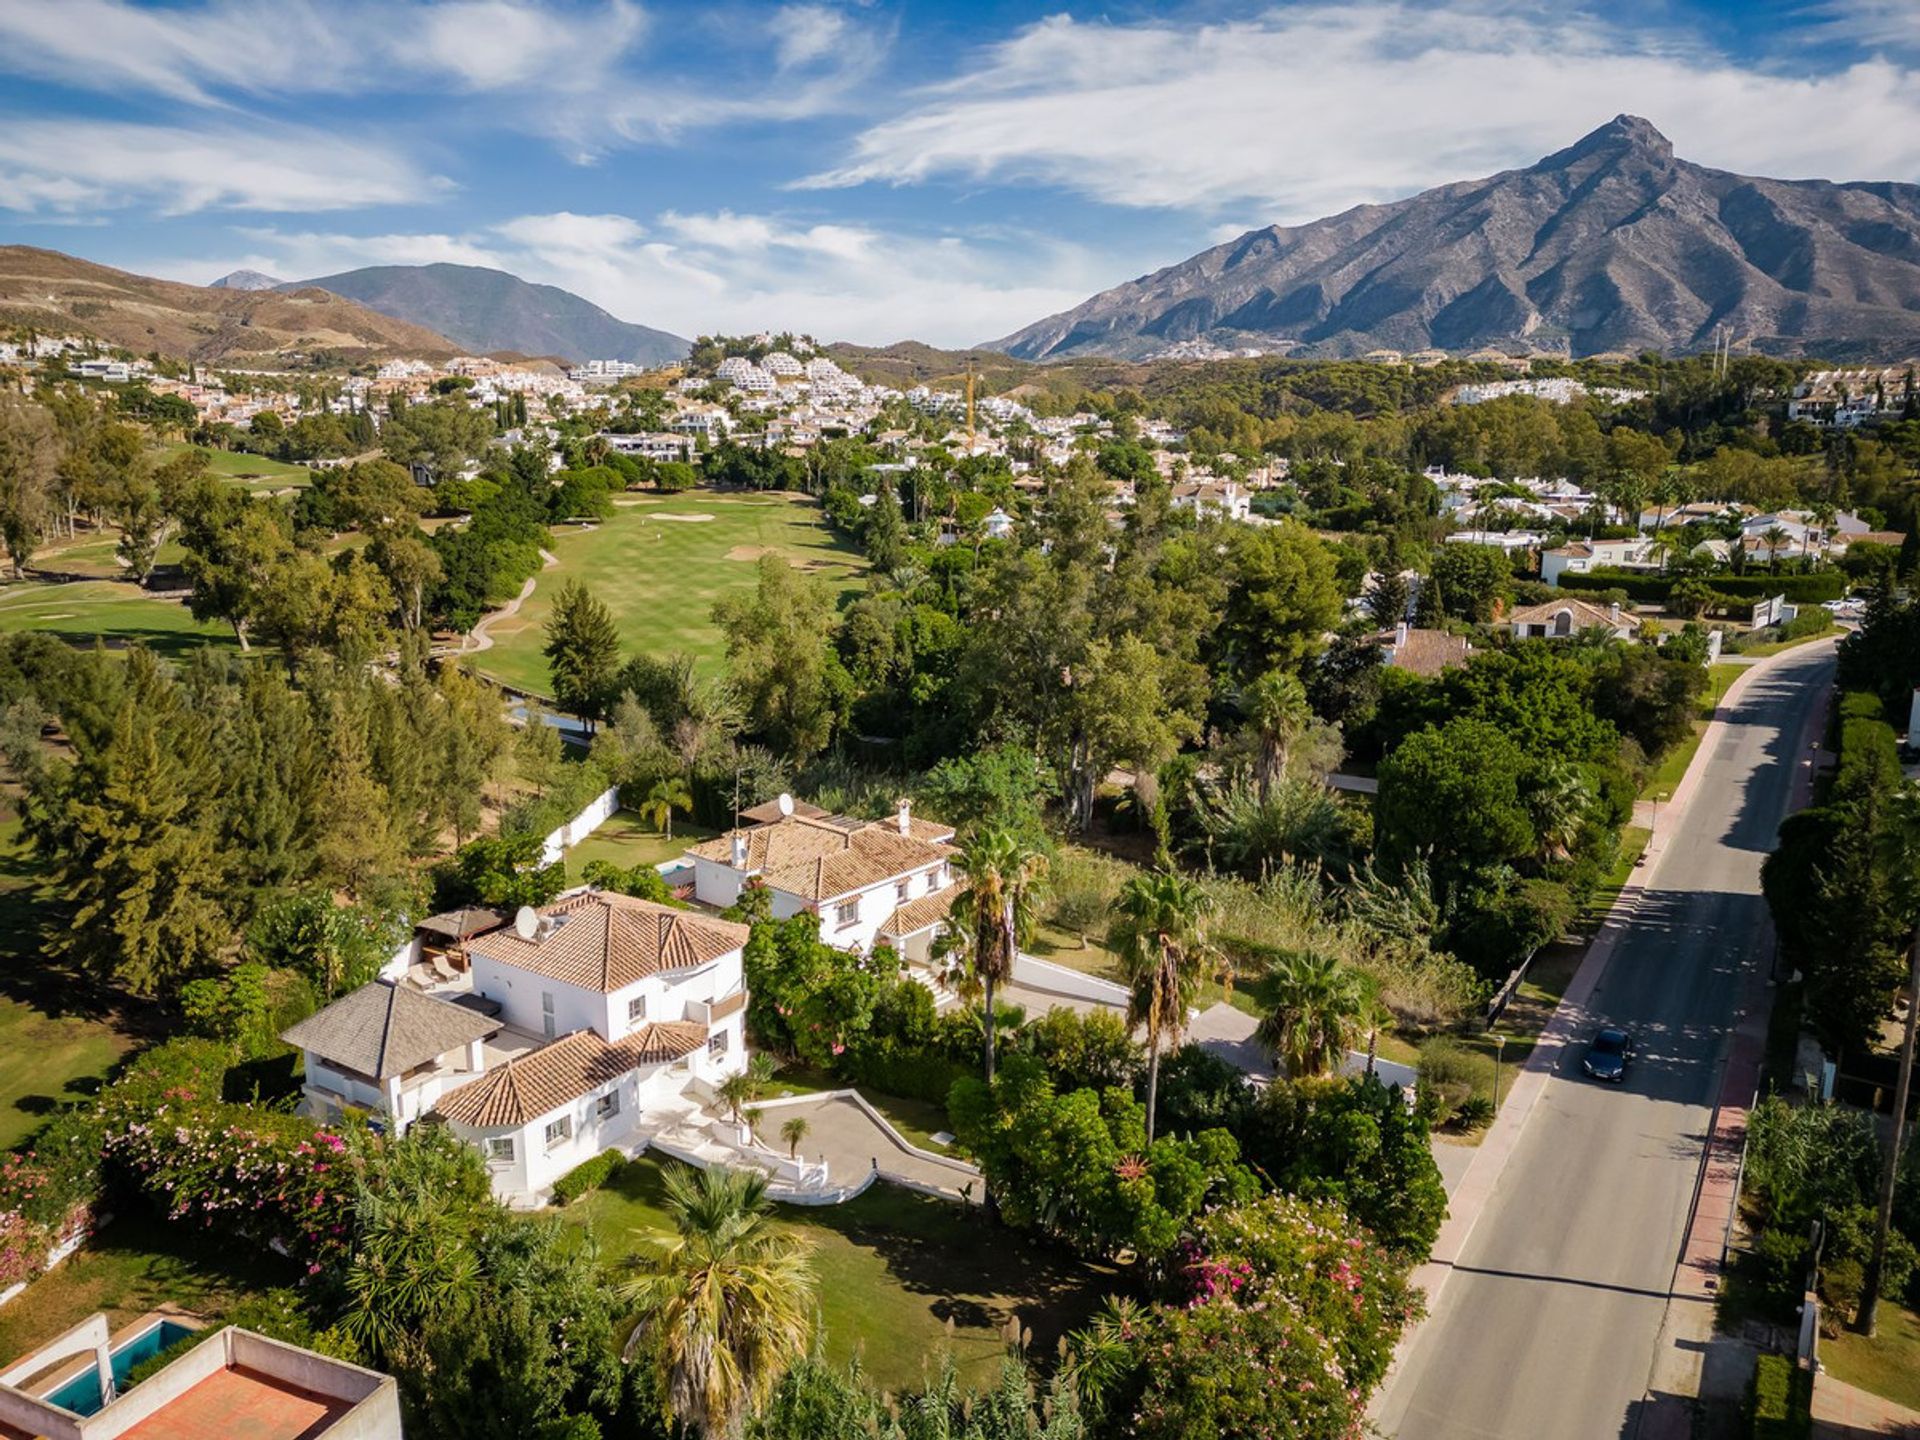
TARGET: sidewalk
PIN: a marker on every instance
(1844, 1412)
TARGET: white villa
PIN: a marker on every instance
(582, 1028)
(869, 882)
(1564, 619)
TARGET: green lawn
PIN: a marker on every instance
(1888, 1364)
(255, 472)
(627, 841)
(137, 1264)
(893, 1269)
(659, 566)
(86, 610)
(50, 1052)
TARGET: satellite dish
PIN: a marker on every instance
(526, 922)
(785, 803)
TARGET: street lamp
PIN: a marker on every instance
(1499, 1044)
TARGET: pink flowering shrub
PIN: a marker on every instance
(1342, 1282)
(257, 1174)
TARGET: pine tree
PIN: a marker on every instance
(583, 652)
(142, 863)
(357, 840)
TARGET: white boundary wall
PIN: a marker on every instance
(1041, 974)
(599, 810)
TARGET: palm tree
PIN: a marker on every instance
(1161, 939)
(1278, 714)
(989, 916)
(1255, 834)
(735, 1092)
(666, 796)
(1776, 540)
(793, 1132)
(1316, 1013)
(1559, 801)
(724, 1305)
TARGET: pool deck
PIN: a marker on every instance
(238, 1404)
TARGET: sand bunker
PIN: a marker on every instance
(688, 518)
(747, 552)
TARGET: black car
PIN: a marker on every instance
(1608, 1055)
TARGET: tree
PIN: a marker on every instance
(357, 841)
(781, 658)
(29, 457)
(994, 909)
(1470, 579)
(1314, 1014)
(1454, 793)
(668, 794)
(441, 437)
(411, 567)
(232, 543)
(1900, 844)
(724, 1305)
(793, 1132)
(1278, 714)
(583, 652)
(1284, 597)
(1161, 940)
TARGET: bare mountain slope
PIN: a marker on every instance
(63, 295)
(1611, 244)
(490, 310)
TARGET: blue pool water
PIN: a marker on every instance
(82, 1395)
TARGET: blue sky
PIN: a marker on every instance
(866, 171)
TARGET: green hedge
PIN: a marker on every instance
(586, 1177)
(1781, 1403)
(1814, 589)
(913, 1074)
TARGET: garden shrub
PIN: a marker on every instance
(1781, 1404)
(586, 1177)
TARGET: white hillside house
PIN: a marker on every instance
(592, 1024)
(881, 881)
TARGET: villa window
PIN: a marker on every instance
(499, 1149)
(608, 1105)
(636, 1009)
(560, 1131)
(847, 912)
(717, 1043)
(901, 891)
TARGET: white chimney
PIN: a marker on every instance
(739, 852)
(1400, 636)
(906, 817)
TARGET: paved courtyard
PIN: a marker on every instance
(850, 1141)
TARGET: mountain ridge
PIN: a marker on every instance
(63, 294)
(489, 310)
(1610, 244)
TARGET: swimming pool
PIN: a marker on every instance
(82, 1396)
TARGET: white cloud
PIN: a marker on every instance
(64, 167)
(202, 52)
(720, 271)
(1307, 110)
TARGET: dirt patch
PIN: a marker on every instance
(690, 519)
(747, 552)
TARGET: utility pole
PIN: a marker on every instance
(1890, 1172)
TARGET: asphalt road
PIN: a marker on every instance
(1546, 1329)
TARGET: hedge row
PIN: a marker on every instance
(1814, 589)
(1782, 1400)
(585, 1177)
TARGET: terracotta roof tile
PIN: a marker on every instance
(606, 941)
(917, 915)
(819, 858)
(543, 1080)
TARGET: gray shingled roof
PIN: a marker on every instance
(382, 1030)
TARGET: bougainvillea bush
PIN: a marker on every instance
(257, 1174)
